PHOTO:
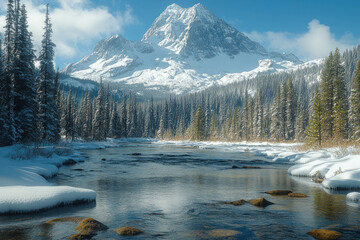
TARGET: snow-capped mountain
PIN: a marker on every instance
(185, 49)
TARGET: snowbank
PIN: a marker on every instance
(353, 196)
(338, 172)
(22, 199)
(23, 174)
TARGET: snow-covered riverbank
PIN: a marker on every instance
(335, 167)
(24, 188)
(24, 171)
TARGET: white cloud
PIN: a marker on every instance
(75, 23)
(317, 42)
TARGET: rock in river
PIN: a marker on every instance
(297, 195)
(261, 202)
(128, 231)
(279, 192)
(322, 234)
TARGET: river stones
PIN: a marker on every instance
(65, 219)
(322, 234)
(69, 162)
(297, 195)
(279, 192)
(87, 228)
(128, 231)
(261, 202)
(236, 203)
(222, 233)
(251, 167)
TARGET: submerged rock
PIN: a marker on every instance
(69, 162)
(88, 228)
(251, 167)
(297, 195)
(235, 203)
(128, 231)
(222, 233)
(261, 202)
(322, 234)
(103, 159)
(136, 154)
(279, 192)
(234, 166)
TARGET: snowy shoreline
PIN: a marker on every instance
(335, 168)
(24, 188)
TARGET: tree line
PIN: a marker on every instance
(28, 110)
(288, 106)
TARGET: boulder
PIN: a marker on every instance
(87, 229)
(279, 192)
(261, 202)
(234, 166)
(322, 234)
(297, 195)
(236, 203)
(128, 231)
(103, 159)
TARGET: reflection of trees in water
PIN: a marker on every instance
(329, 206)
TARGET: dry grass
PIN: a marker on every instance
(342, 147)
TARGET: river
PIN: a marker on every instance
(172, 191)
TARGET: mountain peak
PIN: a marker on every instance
(197, 32)
(173, 7)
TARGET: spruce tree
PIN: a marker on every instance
(8, 133)
(115, 126)
(198, 128)
(46, 92)
(314, 132)
(99, 118)
(354, 112)
(25, 104)
(291, 107)
(275, 128)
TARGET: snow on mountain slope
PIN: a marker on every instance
(185, 50)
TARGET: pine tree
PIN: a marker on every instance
(3, 111)
(69, 128)
(48, 121)
(213, 127)
(354, 112)
(314, 132)
(259, 117)
(291, 106)
(340, 130)
(99, 118)
(327, 97)
(25, 104)
(283, 108)
(107, 111)
(8, 133)
(115, 126)
(123, 118)
(198, 128)
(275, 128)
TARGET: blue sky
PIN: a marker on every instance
(307, 28)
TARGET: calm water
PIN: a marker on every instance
(172, 192)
